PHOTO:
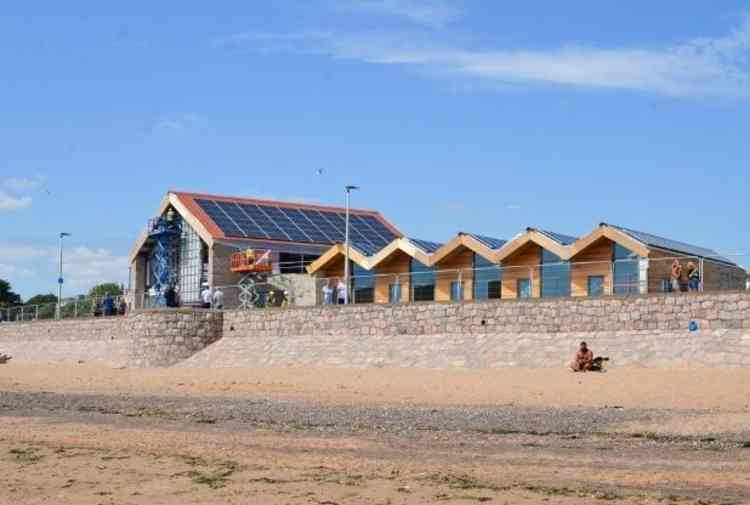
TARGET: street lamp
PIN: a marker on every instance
(60, 277)
(349, 190)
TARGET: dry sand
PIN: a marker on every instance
(699, 388)
(68, 457)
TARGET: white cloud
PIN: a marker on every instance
(25, 184)
(85, 267)
(14, 271)
(11, 202)
(425, 12)
(177, 124)
(699, 67)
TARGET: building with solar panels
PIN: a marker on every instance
(610, 260)
(190, 242)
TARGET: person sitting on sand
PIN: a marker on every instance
(583, 360)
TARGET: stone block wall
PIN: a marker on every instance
(145, 338)
(650, 330)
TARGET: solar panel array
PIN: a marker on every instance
(426, 245)
(672, 245)
(560, 238)
(492, 243)
(274, 222)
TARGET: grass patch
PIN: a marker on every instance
(25, 456)
(507, 432)
(463, 482)
(214, 478)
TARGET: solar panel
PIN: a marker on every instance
(277, 222)
(492, 243)
(672, 245)
(365, 248)
(306, 225)
(219, 217)
(355, 231)
(287, 225)
(374, 235)
(266, 223)
(560, 238)
(330, 228)
(241, 220)
(426, 245)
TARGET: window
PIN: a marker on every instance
(422, 282)
(191, 265)
(523, 288)
(555, 275)
(363, 284)
(596, 285)
(457, 291)
(394, 293)
(487, 279)
(626, 270)
(290, 263)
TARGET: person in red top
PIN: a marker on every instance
(583, 360)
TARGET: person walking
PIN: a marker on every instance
(108, 305)
(676, 275)
(206, 297)
(218, 299)
(694, 277)
(327, 293)
(341, 292)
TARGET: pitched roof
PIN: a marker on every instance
(560, 238)
(658, 242)
(489, 242)
(277, 221)
(427, 246)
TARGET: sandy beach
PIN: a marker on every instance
(86, 434)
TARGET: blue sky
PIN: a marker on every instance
(452, 115)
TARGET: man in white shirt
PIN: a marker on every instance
(207, 297)
(218, 299)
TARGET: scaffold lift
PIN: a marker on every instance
(255, 265)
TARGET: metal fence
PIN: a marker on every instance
(626, 277)
(71, 308)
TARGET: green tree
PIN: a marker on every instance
(112, 288)
(41, 299)
(7, 296)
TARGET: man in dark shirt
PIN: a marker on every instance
(583, 360)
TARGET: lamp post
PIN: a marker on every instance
(349, 190)
(60, 277)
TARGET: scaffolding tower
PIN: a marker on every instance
(165, 232)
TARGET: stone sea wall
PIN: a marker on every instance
(141, 339)
(650, 330)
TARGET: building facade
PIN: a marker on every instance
(190, 242)
(610, 260)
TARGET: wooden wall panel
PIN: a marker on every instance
(463, 260)
(517, 266)
(595, 260)
(398, 263)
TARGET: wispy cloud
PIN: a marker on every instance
(176, 124)
(84, 266)
(425, 12)
(11, 202)
(15, 195)
(25, 184)
(699, 67)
